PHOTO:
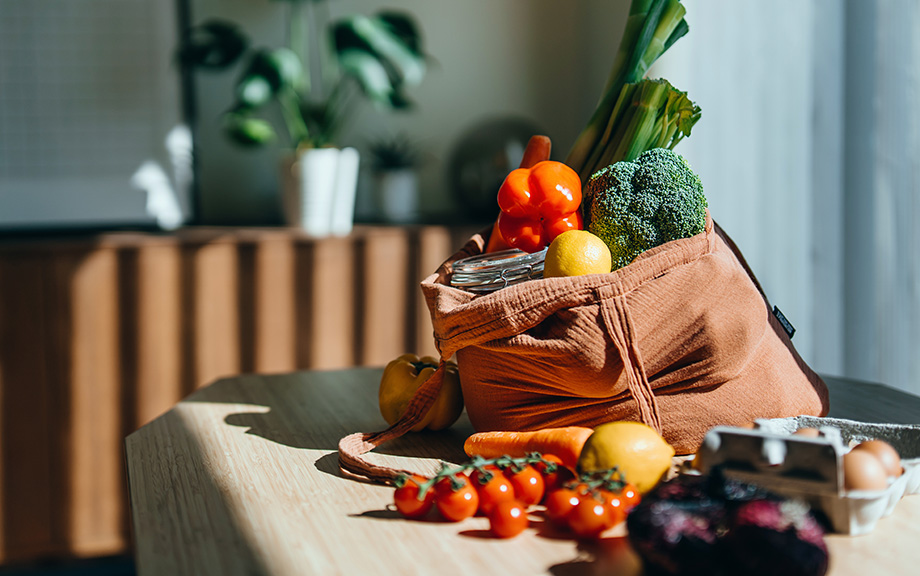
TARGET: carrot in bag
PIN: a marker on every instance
(566, 443)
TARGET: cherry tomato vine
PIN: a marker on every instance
(506, 489)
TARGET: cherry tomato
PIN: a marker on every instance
(508, 519)
(459, 504)
(407, 501)
(528, 484)
(630, 497)
(556, 479)
(493, 491)
(616, 510)
(559, 504)
(589, 518)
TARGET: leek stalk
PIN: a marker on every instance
(651, 28)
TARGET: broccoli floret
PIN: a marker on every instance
(634, 206)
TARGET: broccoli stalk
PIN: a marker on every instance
(652, 27)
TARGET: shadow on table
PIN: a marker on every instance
(314, 410)
(604, 556)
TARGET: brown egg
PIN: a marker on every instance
(886, 454)
(807, 432)
(863, 471)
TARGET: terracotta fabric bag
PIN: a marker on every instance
(682, 339)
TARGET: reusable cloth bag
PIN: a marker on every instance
(682, 339)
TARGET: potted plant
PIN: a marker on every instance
(394, 161)
(314, 81)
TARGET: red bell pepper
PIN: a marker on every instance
(538, 149)
(537, 204)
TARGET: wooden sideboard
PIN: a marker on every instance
(101, 333)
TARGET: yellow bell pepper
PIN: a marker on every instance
(404, 375)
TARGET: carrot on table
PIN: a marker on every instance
(566, 443)
(538, 149)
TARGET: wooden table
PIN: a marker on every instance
(242, 478)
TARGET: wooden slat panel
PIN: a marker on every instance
(27, 426)
(100, 334)
(325, 310)
(97, 492)
(274, 330)
(158, 330)
(4, 335)
(214, 306)
(383, 304)
(246, 293)
(434, 247)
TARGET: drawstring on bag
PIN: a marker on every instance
(354, 446)
(619, 327)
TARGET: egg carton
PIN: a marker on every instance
(811, 468)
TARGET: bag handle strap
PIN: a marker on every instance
(619, 325)
(353, 447)
(737, 252)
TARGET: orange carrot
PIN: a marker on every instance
(496, 242)
(538, 149)
(566, 443)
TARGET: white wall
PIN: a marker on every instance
(749, 67)
(809, 150)
(542, 60)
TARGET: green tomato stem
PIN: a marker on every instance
(477, 463)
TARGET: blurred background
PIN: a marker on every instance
(808, 146)
(525, 63)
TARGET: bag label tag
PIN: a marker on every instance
(786, 324)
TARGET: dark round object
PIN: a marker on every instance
(482, 158)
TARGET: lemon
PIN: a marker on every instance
(640, 453)
(575, 253)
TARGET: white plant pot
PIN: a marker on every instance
(319, 191)
(398, 195)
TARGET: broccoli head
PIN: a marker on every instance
(634, 206)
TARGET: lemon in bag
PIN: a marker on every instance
(575, 253)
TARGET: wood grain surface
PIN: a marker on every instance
(242, 478)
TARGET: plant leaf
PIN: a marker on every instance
(289, 67)
(403, 27)
(253, 91)
(247, 130)
(280, 67)
(376, 37)
(369, 72)
(215, 45)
